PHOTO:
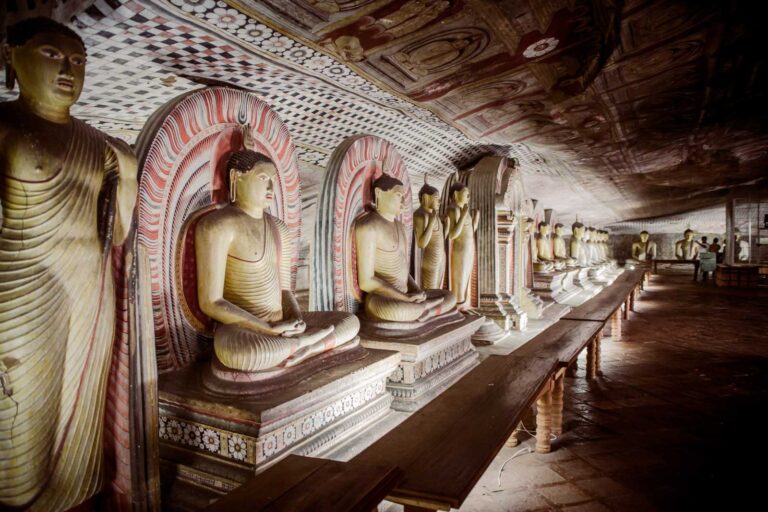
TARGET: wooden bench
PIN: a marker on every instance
(299, 483)
(563, 342)
(607, 304)
(695, 264)
(446, 446)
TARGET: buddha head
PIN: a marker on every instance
(429, 197)
(460, 194)
(251, 179)
(688, 235)
(559, 229)
(47, 59)
(543, 228)
(388, 193)
(578, 230)
(644, 236)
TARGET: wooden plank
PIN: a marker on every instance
(340, 487)
(602, 306)
(563, 340)
(445, 447)
(258, 492)
(308, 484)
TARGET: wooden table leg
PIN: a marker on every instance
(591, 353)
(572, 368)
(616, 326)
(632, 300)
(598, 356)
(558, 395)
(625, 311)
(513, 439)
(544, 421)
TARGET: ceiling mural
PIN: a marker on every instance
(616, 109)
(656, 107)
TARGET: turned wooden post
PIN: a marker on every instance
(591, 358)
(558, 392)
(598, 356)
(616, 326)
(625, 310)
(632, 300)
(513, 440)
(544, 421)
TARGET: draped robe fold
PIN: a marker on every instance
(57, 322)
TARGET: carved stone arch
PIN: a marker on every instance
(345, 194)
(183, 150)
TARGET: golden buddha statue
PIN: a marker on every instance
(244, 275)
(382, 263)
(461, 224)
(543, 260)
(68, 193)
(644, 249)
(687, 248)
(579, 249)
(559, 249)
(429, 237)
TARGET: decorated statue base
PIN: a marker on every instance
(215, 434)
(532, 304)
(583, 281)
(431, 360)
(604, 274)
(555, 286)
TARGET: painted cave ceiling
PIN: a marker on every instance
(616, 110)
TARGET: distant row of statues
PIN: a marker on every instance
(588, 246)
(687, 248)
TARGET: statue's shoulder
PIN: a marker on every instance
(367, 219)
(219, 219)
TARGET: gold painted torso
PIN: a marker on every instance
(558, 244)
(391, 255)
(252, 276)
(57, 315)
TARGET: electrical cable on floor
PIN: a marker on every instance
(527, 449)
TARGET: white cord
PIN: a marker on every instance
(518, 452)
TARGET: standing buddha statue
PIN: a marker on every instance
(461, 224)
(429, 236)
(68, 194)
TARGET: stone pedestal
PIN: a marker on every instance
(515, 312)
(532, 304)
(215, 441)
(430, 362)
(581, 279)
(555, 286)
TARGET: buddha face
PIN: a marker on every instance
(543, 228)
(559, 229)
(643, 237)
(389, 202)
(255, 187)
(50, 69)
(688, 235)
(578, 232)
(461, 197)
(430, 201)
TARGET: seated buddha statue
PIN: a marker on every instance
(687, 248)
(643, 249)
(391, 294)
(559, 249)
(243, 279)
(590, 238)
(579, 249)
(543, 260)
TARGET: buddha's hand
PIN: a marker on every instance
(289, 327)
(417, 297)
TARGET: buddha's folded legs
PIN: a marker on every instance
(250, 351)
(437, 303)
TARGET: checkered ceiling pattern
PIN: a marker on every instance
(142, 53)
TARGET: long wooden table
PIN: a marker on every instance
(695, 264)
(446, 446)
(308, 484)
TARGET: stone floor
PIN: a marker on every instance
(674, 423)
